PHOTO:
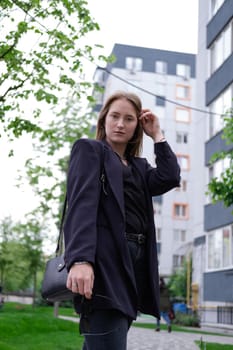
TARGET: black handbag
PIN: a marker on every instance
(55, 275)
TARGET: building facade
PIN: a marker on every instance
(213, 251)
(166, 83)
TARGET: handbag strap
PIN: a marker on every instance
(60, 236)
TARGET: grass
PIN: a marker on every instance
(214, 346)
(24, 327)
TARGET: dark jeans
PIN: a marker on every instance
(164, 315)
(107, 331)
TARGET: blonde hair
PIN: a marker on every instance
(134, 146)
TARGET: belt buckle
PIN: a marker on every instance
(141, 238)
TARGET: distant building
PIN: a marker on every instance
(166, 83)
(213, 251)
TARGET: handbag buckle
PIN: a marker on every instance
(60, 266)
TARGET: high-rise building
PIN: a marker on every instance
(213, 251)
(166, 84)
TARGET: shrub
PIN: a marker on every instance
(189, 320)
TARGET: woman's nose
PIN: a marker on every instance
(120, 123)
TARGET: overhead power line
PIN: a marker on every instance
(124, 80)
(153, 94)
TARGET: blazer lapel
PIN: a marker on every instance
(114, 177)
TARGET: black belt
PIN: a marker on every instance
(138, 238)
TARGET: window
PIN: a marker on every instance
(98, 96)
(182, 115)
(220, 166)
(160, 101)
(183, 70)
(161, 67)
(160, 89)
(99, 77)
(181, 137)
(217, 108)
(221, 48)
(184, 161)
(220, 248)
(183, 186)
(157, 208)
(183, 92)
(179, 235)
(180, 211)
(158, 234)
(178, 260)
(215, 5)
(133, 64)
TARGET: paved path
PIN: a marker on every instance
(148, 339)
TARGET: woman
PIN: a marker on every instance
(165, 305)
(109, 230)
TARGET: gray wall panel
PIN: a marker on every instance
(218, 286)
(215, 144)
(217, 215)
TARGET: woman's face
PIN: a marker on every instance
(120, 123)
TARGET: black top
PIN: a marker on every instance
(135, 201)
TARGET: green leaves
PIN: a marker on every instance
(19, 125)
(48, 97)
(41, 52)
(221, 188)
(44, 93)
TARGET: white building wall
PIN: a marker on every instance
(199, 180)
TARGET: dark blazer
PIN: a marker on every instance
(95, 223)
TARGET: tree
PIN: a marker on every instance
(42, 50)
(5, 258)
(42, 53)
(221, 189)
(21, 255)
(32, 235)
(177, 283)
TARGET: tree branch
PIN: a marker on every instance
(11, 88)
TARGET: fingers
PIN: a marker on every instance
(147, 115)
(81, 280)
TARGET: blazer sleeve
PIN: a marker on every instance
(166, 174)
(83, 192)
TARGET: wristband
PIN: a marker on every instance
(161, 140)
(80, 262)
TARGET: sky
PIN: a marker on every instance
(161, 24)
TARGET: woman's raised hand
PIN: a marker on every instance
(150, 125)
